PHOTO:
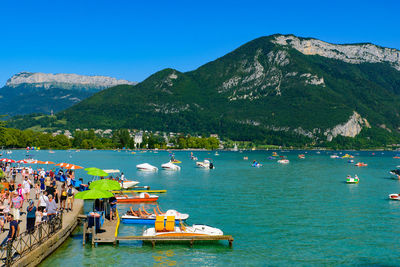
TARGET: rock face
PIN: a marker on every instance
(352, 53)
(28, 92)
(349, 129)
(48, 79)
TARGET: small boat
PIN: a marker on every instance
(169, 229)
(394, 196)
(176, 161)
(301, 156)
(350, 161)
(361, 164)
(170, 166)
(274, 154)
(51, 152)
(245, 158)
(397, 156)
(395, 172)
(141, 216)
(127, 183)
(347, 156)
(334, 157)
(351, 180)
(206, 164)
(216, 153)
(146, 167)
(283, 161)
(143, 197)
(256, 164)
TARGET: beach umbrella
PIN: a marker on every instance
(91, 168)
(21, 161)
(93, 194)
(105, 184)
(98, 172)
(48, 162)
(69, 166)
(8, 160)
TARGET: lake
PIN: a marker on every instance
(302, 213)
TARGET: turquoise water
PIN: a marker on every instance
(297, 214)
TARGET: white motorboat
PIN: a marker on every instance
(283, 161)
(206, 164)
(181, 231)
(394, 196)
(127, 183)
(170, 167)
(334, 157)
(146, 167)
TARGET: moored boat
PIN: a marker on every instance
(283, 161)
(170, 166)
(206, 164)
(394, 196)
(143, 197)
(141, 216)
(170, 230)
(146, 167)
(361, 164)
(351, 180)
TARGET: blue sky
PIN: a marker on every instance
(133, 39)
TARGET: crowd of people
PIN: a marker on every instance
(50, 199)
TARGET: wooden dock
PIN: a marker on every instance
(190, 239)
(107, 233)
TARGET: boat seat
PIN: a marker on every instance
(159, 224)
(170, 223)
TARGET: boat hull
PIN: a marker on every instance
(145, 221)
(136, 199)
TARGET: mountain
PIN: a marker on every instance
(272, 89)
(27, 92)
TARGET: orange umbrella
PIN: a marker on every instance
(48, 162)
(69, 166)
(37, 162)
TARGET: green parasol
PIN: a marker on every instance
(91, 169)
(105, 184)
(93, 194)
(97, 172)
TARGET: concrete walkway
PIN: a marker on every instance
(68, 217)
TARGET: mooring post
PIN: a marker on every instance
(230, 243)
(191, 243)
(153, 243)
(93, 235)
(84, 233)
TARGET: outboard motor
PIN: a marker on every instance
(211, 165)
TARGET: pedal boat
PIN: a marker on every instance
(361, 164)
(141, 216)
(352, 180)
(283, 161)
(170, 230)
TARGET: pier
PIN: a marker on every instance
(190, 239)
(107, 233)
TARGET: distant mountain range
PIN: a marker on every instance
(274, 86)
(27, 92)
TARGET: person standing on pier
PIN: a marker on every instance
(30, 216)
(13, 232)
(16, 204)
(70, 198)
(51, 208)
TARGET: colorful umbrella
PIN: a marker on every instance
(48, 162)
(93, 194)
(21, 161)
(97, 172)
(105, 184)
(8, 160)
(69, 166)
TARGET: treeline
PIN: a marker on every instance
(14, 138)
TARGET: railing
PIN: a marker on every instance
(29, 240)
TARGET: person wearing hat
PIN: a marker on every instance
(30, 216)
